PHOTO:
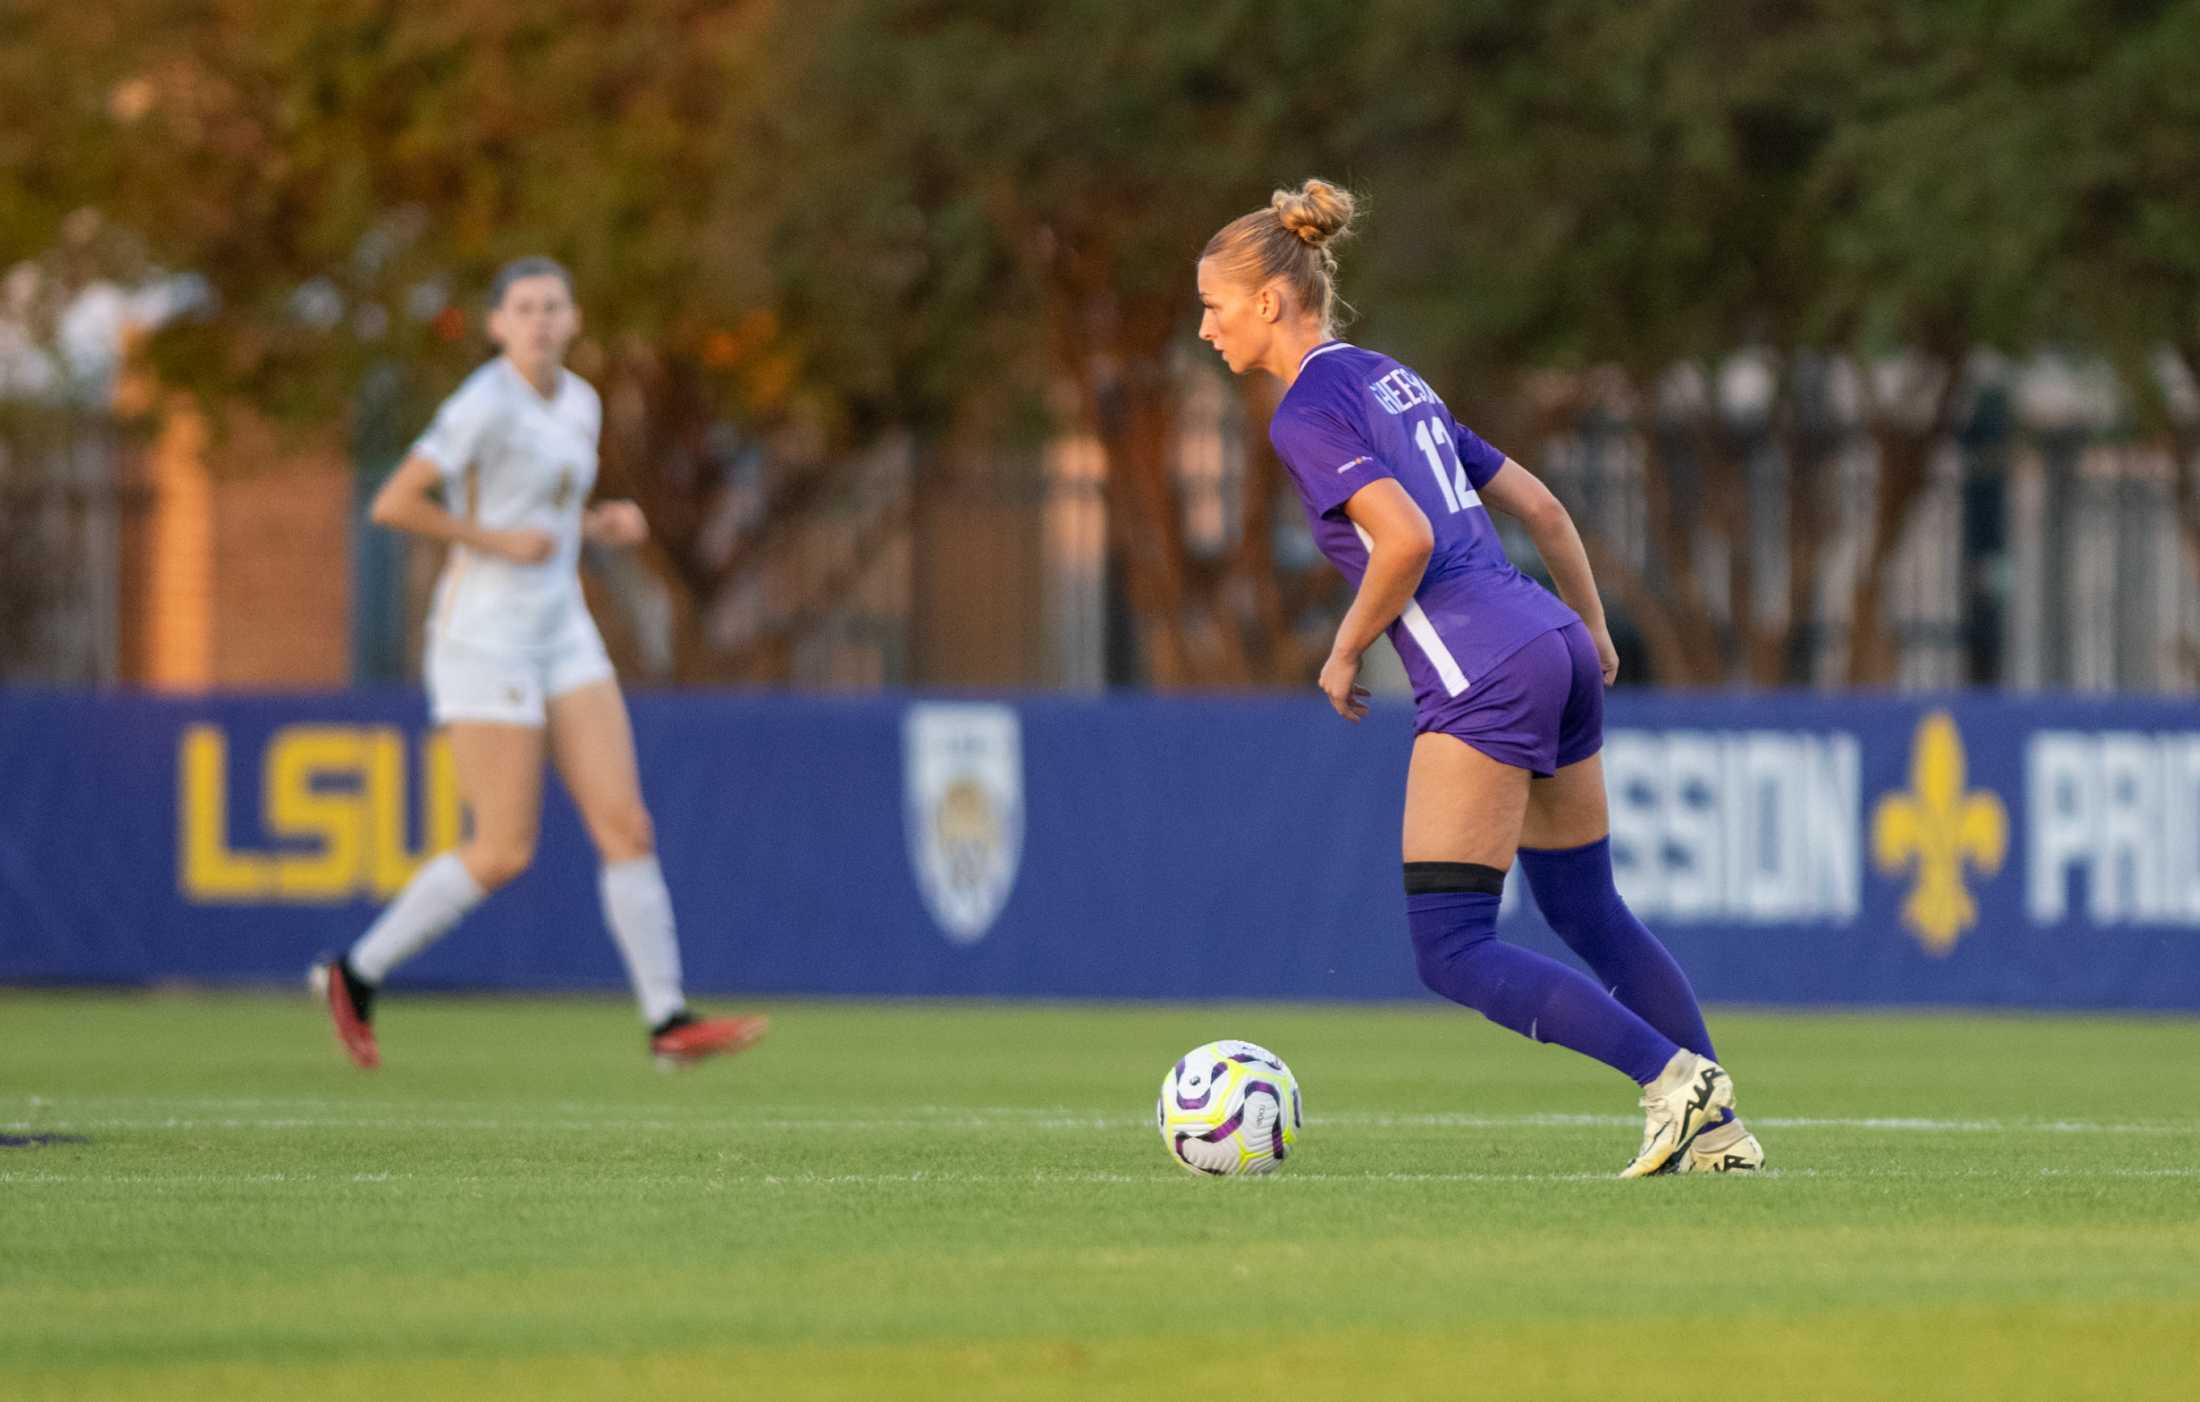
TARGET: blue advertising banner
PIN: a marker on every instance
(1964, 850)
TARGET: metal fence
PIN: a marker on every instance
(2048, 550)
(69, 497)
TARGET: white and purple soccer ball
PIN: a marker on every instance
(1229, 1108)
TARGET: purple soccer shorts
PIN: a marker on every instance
(1540, 708)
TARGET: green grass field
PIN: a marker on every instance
(969, 1201)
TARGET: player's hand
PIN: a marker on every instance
(1607, 655)
(521, 547)
(1338, 682)
(615, 523)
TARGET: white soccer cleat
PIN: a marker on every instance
(1726, 1148)
(1690, 1093)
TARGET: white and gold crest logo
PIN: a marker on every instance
(963, 806)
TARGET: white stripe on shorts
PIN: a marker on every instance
(1424, 633)
(1432, 643)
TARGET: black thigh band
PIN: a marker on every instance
(1432, 878)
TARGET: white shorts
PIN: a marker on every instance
(468, 682)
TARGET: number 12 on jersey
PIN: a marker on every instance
(1434, 440)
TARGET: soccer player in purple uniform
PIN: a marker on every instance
(1508, 682)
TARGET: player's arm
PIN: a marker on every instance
(612, 524)
(1520, 494)
(1400, 541)
(615, 524)
(406, 502)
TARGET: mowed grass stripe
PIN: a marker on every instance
(2034, 1353)
(922, 1178)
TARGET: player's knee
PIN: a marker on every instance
(1452, 911)
(625, 833)
(499, 862)
(1434, 961)
(1573, 888)
(1561, 911)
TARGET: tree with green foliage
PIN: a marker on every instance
(976, 222)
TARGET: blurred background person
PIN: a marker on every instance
(517, 671)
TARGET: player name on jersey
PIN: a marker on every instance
(1401, 390)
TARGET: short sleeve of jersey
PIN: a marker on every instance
(1479, 459)
(460, 427)
(591, 398)
(1327, 457)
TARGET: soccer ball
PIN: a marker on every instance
(1229, 1108)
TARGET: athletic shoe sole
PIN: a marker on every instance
(1717, 1150)
(743, 1033)
(352, 1034)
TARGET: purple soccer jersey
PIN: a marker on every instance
(1354, 415)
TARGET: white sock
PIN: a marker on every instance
(438, 897)
(639, 910)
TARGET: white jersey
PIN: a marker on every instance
(513, 460)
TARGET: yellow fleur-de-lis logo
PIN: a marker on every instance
(1936, 828)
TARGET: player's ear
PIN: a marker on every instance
(1269, 304)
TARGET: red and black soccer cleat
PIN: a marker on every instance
(350, 1003)
(686, 1040)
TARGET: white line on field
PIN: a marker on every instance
(564, 1115)
(54, 1116)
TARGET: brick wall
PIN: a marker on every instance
(247, 577)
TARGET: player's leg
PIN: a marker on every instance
(592, 742)
(1566, 854)
(499, 770)
(1463, 813)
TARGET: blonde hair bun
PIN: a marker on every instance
(1318, 212)
(1289, 241)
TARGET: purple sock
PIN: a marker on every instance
(1460, 956)
(1573, 888)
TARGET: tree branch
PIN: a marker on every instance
(1905, 463)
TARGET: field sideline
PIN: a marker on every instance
(969, 1201)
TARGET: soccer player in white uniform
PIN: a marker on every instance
(516, 669)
